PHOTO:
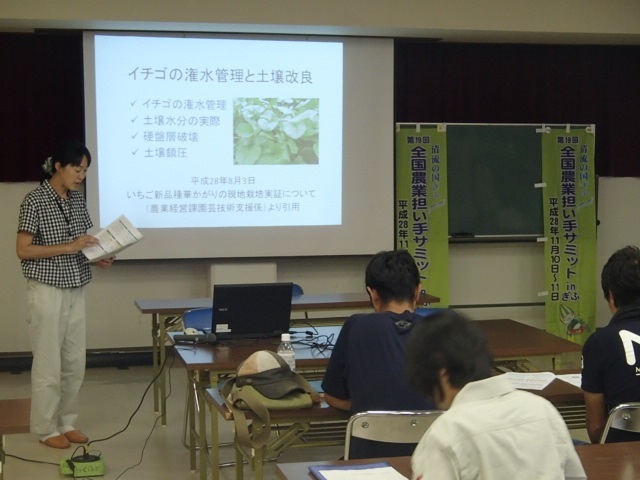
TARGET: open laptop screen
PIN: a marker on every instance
(257, 310)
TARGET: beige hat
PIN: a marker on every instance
(269, 374)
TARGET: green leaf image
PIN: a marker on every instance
(245, 130)
(268, 122)
(248, 154)
(276, 131)
(294, 129)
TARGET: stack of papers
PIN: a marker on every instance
(574, 379)
(530, 380)
(540, 380)
(369, 471)
(117, 236)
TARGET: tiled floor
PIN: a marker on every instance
(108, 398)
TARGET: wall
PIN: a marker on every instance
(618, 201)
(480, 274)
(543, 21)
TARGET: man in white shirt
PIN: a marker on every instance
(490, 430)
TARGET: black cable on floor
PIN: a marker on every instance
(144, 446)
(125, 427)
(30, 460)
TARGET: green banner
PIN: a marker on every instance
(569, 203)
(422, 214)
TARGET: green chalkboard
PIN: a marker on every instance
(492, 170)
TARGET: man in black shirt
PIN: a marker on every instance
(367, 368)
(611, 356)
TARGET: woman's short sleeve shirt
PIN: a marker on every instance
(53, 220)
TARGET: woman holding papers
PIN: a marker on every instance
(52, 231)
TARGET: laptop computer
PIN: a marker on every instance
(258, 310)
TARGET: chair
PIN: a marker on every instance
(625, 416)
(198, 318)
(296, 292)
(389, 426)
(201, 319)
(427, 311)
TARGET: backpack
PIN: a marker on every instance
(264, 382)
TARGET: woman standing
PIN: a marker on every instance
(52, 231)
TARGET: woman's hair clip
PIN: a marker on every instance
(47, 166)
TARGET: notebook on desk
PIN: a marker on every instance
(377, 470)
(258, 310)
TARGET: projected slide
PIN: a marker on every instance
(196, 132)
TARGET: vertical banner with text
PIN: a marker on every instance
(570, 229)
(422, 219)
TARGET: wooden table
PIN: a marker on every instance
(14, 418)
(166, 313)
(510, 339)
(205, 364)
(611, 461)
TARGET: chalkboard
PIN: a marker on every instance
(492, 170)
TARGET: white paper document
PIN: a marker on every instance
(352, 472)
(117, 236)
(574, 379)
(530, 380)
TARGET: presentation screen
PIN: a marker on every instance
(241, 147)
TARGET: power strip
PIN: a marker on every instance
(86, 465)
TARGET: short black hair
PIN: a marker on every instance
(393, 275)
(71, 153)
(67, 153)
(621, 277)
(447, 340)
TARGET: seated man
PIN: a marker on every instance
(611, 356)
(367, 368)
(490, 430)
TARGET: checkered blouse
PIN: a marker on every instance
(53, 220)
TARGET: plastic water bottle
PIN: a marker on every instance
(286, 351)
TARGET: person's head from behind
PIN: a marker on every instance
(445, 352)
(394, 276)
(69, 164)
(620, 278)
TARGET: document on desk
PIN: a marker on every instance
(530, 380)
(117, 236)
(574, 379)
(369, 471)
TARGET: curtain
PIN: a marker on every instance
(42, 98)
(504, 83)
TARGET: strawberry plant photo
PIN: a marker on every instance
(276, 131)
